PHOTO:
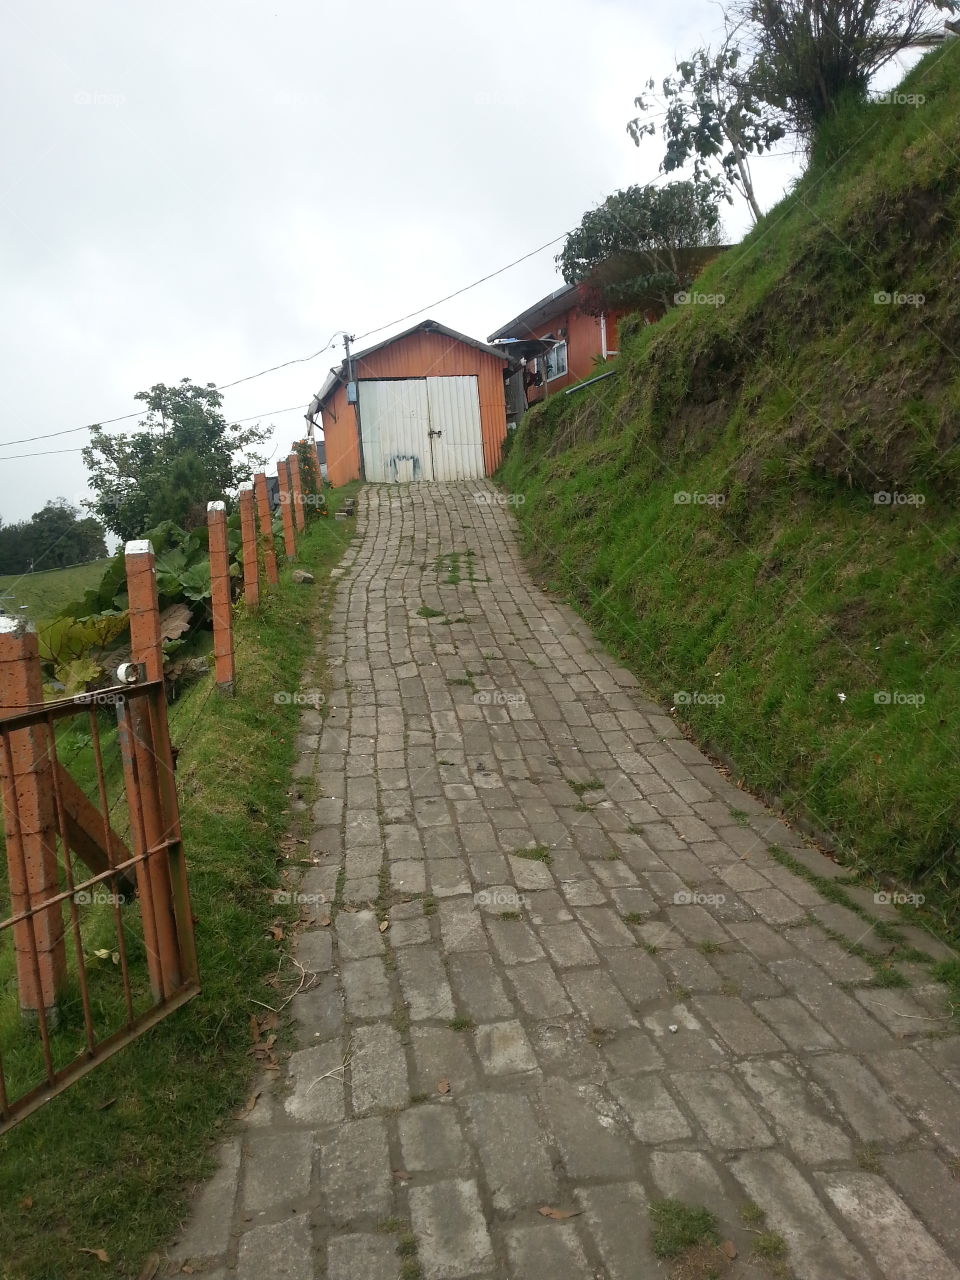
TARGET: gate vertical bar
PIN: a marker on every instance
(147, 757)
(170, 805)
(220, 597)
(29, 823)
(248, 532)
(286, 509)
(296, 487)
(265, 519)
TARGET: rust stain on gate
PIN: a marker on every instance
(70, 875)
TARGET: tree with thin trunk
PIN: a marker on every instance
(713, 115)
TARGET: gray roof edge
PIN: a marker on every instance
(528, 316)
(430, 326)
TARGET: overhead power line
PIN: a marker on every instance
(49, 435)
(224, 386)
(45, 453)
(483, 279)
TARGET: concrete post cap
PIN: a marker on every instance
(10, 626)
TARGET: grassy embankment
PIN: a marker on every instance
(798, 624)
(46, 593)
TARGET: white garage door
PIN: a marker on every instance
(421, 429)
(392, 418)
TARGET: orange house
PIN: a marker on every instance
(559, 341)
(427, 404)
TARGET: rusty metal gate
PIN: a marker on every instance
(97, 945)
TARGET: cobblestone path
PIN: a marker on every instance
(597, 988)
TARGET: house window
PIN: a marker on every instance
(555, 361)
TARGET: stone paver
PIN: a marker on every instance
(452, 1234)
(564, 971)
(889, 1230)
(513, 1150)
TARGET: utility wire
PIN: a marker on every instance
(125, 417)
(457, 293)
(224, 386)
(44, 453)
(286, 364)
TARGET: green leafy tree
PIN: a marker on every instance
(53, 538)
(180, 493)
(713, 116)
(642, 244)
(810, 55)
(184, 455)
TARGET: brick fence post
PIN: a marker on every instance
(248, 532)
(296, 487)
(286, 509)
(265, 519)
(29, 823)
(220, 600)
(148, 775)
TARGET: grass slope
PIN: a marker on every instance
(106, 1165)
(45, 594)
(711, 508)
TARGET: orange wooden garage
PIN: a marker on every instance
(431, 407)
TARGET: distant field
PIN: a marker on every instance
(45, 594)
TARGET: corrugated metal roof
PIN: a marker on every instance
(553, 304)
(642, 261)
(427, 326)
(435, 327)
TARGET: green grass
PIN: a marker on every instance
(536, 853)
(45, 594)
(407, 1246)
(108, 1165)
(581, 788)
(796, 401)
(752, 1215)
(870, 1157)
(678, 1226)
(885, 974)
(453, 563)
(770, 1246)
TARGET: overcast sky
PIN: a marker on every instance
(208, 189)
